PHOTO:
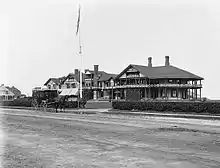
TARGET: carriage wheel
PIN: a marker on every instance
(43, 106)
(34, 104)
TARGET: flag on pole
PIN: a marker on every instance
(77, 28)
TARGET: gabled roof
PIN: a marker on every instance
(5, 91)
(103, 76)
(73, 76)
(55, 80)
(14, 90)
(160, 72)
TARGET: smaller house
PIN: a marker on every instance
(54, 83)
(17, 93)
(6, 94)
(70, 84)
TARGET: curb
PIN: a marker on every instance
(189, 116)
(110, 111)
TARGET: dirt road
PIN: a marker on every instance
(31, 139)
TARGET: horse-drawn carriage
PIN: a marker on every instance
(42, 98)
(45, 99)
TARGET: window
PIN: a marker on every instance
(73, 85)
(173, 93)
(67, 85)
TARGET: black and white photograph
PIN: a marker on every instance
(109, 84)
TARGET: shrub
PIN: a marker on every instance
(71, 104)
(197, 107)
(25, 102)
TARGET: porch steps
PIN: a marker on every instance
(94, 104)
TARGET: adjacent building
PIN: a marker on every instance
(100, 82)
(15, 91)
(6, 94)
(54, 83)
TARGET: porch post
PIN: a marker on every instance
(177, 93)
(200, 92)
(145, 94)
(149, 90)
(159, 93)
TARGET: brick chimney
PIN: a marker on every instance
(95, 80)
(76, 74)
(149, 61)
(167, 61)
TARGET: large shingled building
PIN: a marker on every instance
(160, 82)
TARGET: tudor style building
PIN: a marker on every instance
(162, 82)
(54, 83)
(95, 81)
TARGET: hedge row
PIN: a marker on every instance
(197, 107)
(25, 102)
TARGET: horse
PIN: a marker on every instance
(60, 103)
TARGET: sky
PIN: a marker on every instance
(38, 38)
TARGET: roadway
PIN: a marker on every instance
(40, 139)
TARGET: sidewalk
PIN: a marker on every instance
(108, 111)
(139, 113)
(165, 114)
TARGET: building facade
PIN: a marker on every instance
(6, 94)
(54, 83)
(100, 82)
(138, 82)
(135, 82)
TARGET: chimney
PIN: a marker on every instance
(149, 61)
(96, 69)
(77, 74)
(167, 61)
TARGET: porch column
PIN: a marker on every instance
(200, 91)
(166, 93)
(159, 93)
(196, 93)
(125, 91)
(200, 94)
(177, 92)
(145, 94)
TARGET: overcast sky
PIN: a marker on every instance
(38, 40)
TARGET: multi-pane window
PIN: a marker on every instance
(173, 93)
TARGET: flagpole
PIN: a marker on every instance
(81, 63)
(80, 53)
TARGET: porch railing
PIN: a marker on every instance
(149, 86)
